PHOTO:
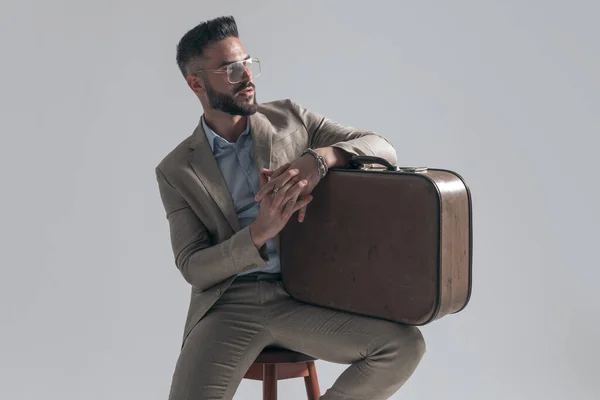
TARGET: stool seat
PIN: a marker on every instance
(278, 355)
(276, 363)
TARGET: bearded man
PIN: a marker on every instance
(228, 190)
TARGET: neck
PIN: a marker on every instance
(228, 126)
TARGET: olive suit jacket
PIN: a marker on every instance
(208, 245)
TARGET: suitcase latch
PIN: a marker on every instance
(413, 169)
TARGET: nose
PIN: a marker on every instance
(247, 75)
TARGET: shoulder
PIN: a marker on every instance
(283, 112)
(286, 107)
(175, 157)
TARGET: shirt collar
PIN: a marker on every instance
(212, 136)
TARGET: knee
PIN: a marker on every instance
(405, 342)
(415, 342)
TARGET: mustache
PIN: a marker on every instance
(244, 87)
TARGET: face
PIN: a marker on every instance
(232, 98)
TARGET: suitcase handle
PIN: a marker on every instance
(357, 162)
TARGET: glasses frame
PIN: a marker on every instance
(228, 70)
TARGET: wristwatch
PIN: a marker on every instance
(320, 161)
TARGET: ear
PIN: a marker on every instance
(196, 84)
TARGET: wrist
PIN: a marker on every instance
(333, 156)
(257, 238)
(321, 165)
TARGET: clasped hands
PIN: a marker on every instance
(283, 192)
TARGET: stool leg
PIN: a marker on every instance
(270, 382)
(312, 382)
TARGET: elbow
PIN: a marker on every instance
(187, 266)
(193, 278)
(387, 151)
(392, 157)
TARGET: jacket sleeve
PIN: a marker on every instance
(324, 133)
(202, 263)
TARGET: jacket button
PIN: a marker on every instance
(249, 267)
(218, 292)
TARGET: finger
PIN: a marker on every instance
(276, 183)
(291, 190)
(281, 168)
(263, 179)
(302, 214)
(295, 191)
(297, 205)
(274, 173)
(268, 172)
(279, 198)
(264, 189)
(303, 203)
(279, 171)
(288, 210)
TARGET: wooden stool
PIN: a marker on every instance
(275, 364)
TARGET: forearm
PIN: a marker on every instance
(334, 157)
(203, 268)
(340, 153)
(369, 144)
(201, 262)
(258, 239)
(354, 142)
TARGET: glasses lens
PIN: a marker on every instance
(237, 70)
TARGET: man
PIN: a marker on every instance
(228, 190)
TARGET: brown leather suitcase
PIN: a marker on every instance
(382, 241)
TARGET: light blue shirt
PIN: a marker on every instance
(237, 164)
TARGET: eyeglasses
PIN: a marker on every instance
(235, 71)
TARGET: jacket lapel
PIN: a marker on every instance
(261, 131)
(206, 168)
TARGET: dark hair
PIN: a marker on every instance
(192, 44)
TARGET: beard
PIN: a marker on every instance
(228, 103)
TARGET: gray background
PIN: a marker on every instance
(504, 92)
